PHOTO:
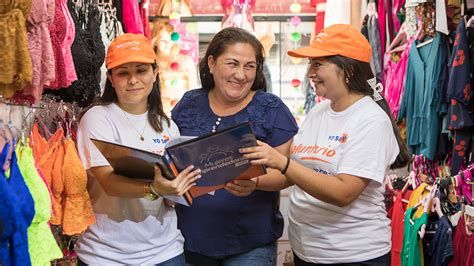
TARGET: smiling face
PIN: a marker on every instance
(133, 83)
(327, 79)
(234, 71)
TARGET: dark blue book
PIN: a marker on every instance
(216, 154)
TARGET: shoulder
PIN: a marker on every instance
(99, 112)
(193, 99)
(192, 95)
(267, 100)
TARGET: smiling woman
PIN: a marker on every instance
(134, 226)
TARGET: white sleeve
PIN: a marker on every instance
(95, 125)
(370, 150)
(174, 130)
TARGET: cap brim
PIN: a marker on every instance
(309, 52)
(130, 59)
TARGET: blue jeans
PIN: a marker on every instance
(261, 256)
(176, 261)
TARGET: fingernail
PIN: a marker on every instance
(198, 176)
(191, 166)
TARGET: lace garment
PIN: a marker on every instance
(88, 52)
(40, 47)
(78, 212)
(19, 254)
(16, 69)
(41, 243)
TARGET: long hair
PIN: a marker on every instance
(156, 115)
(357, 73)
(218, 45)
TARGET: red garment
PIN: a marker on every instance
(382, 26)
(463, 245)
(319, 25)
(144, 11)
(398, 212)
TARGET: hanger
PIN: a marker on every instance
(399, 42)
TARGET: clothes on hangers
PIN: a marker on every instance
(412, 248)
(17, 245)
(16, 69)
(463, 244)
(42, 245)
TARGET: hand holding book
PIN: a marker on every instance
(178, 186)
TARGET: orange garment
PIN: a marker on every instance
(46, 162)
(78, 212)
(57, 185)
(417, 196)
(39, 143)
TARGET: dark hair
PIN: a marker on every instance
(155, 107)
(357, 73)
(221, 41)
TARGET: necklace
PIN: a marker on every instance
(131, 125)
(216, 125)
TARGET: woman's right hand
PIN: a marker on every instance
(178, 186)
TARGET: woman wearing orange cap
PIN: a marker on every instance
(133, 225)
(339, 158)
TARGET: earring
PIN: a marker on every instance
(210, 71)
(347, 80)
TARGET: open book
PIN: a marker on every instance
(216, 154)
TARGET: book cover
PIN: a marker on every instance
(218, 157)
(216, 154)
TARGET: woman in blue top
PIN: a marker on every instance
(238, 225)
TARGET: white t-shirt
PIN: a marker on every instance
(128, 231)
(357, 141)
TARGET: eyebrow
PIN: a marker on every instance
(237, 61)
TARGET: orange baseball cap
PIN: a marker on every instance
(338, 39)
(128, 48)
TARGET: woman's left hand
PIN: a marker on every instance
(240, 188)
(263, 154)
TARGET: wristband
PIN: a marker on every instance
(286, 166)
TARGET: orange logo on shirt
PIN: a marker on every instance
(314, 150)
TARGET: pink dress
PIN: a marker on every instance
(395, 79)
(71, 75)
(131, 18)
(40, 46)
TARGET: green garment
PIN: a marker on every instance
(411, 250)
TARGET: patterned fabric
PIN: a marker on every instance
(57, 31)
(42, 245)
(78, 212)
(459, 95)
(89, 53)
(16, 69)
(40, 47)
(426, 13)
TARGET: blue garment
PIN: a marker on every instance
(441, 248)
(459, 94)
(421, 99)
(176, 261)
(9, 213)
(18, 243)
(261, 256)
(223, 224)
